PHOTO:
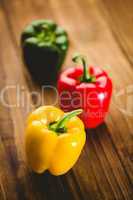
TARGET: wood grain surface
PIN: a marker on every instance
(103, 30)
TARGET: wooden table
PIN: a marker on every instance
(103, 30)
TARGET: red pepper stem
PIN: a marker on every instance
(60, 126)
(86, 76)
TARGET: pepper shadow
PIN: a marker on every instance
(99, 132)
(47, 186)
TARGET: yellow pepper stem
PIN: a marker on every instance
(59, 126)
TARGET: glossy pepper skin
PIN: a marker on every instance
(44, 47)
(89, 88)
(53, 139)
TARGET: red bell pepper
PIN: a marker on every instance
(89, 88)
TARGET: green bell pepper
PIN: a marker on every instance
(44, 46)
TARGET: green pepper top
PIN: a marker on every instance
(45, 33)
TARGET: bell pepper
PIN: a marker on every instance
(89, 88)
(53, 139)
(44, 47)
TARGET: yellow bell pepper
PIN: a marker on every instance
(53, 139)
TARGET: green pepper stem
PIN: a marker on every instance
(60, 126)
(86, 76)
